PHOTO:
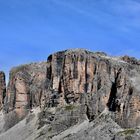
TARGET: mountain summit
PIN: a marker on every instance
(76, 94)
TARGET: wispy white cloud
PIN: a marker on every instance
(123, 15)
(74, 8)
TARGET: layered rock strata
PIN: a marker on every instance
(93, 80)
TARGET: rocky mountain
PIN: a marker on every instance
(76, 94)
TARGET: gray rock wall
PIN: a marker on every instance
(2, 89)
(93, 80)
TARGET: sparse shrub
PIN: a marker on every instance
(50, 129)
(127, 132)
(69, 107)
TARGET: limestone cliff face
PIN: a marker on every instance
(2, 89)
(98, 82)
(93, 80)
(26, 87)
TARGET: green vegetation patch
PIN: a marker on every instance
(127, 132)
(50, 129)
(69, 107)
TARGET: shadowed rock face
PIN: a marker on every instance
(93, 80)
(2, 89)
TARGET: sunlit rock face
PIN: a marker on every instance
(97, 81)
(26, 87)
(93, 80)
(2, 89)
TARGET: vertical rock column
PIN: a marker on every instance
(2, 89)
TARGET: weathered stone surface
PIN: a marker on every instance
(2, 89)
(26, 87)
(87, 83)
(79, 76)
(102, 128)
(103, 82)
(131, 60)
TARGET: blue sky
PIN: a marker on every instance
(30, 30)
